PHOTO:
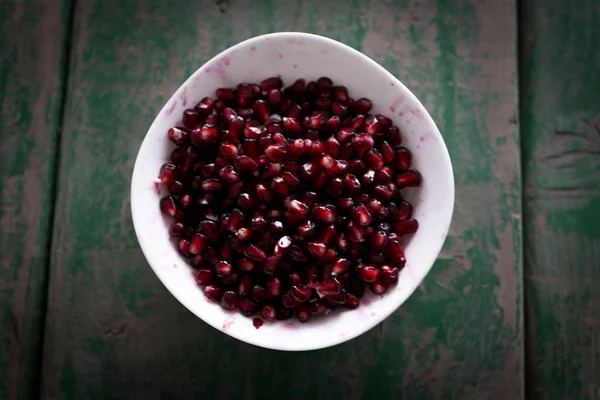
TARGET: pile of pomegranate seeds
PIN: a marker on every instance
(289, 200)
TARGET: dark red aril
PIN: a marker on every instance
(268, 312)
(230, 300)
(301, 293)
(409, 178)
(204, 276)
(369, 273)
(330, 287)
(213, 292)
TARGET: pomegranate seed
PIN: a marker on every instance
(223, 268)
(388, 275)
(283, 246)
(330, 288)
(260, 294)
(341, 266)
(333, 124)
(268, 312)
(168, 174)
(271, 83)
(274, 286)
(404, 211)
(323, 214)
(374, 159)
(362, 142)
(247, 306)
(342, 243)
(244, 95)
(204, 107)
(225, 95)
(168, 205)
(262, 194)
(383, 176)
(276, 152)
(230, 300)
(296, 149)
(198, 244)
(316, 249)
(177, 229)
(352, 302)
(228, 151)
(246, 265)
(378, 287)
(301, 293)
(211, 185)
(261, 110)
(369, 273)
(394, 251)
(327, 161)
(336, 299)
(274, 98)
(406, 227)
(292, 126)
(409, 178)
(404, 158)
(363, 106)
(179, 136)
(355, 286)
(288, 301)
(382, 193)
(245, 286)
(354, 233)
(204, 276)
(340, 94)
(302, 313)
(280, 187)
(213, 292)
(345, 203)
(190, 118)
(361, 215)
(245, 163)
(379, 240)
(254, 252)
(373, 125)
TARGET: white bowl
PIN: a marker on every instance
(299, 55)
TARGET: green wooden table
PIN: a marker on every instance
(512, 306)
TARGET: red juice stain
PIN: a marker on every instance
(183, 96)
(169, 110)
(257, 322)
(295, 65)
(281, 56)
(228, 322)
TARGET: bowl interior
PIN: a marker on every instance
(293, 56)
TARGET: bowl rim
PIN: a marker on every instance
(327, 341)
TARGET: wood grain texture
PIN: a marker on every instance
(561, 153)
(31, 50)
(115, 333)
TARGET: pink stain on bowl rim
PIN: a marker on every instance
(183, 96)
(295, 65)
(281, 56)
(226, 60)
(252, 50)
(396, 103)
(171, 108)
(228, 322)
(404, 110)
(426, 137)
(417, 112)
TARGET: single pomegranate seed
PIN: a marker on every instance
(362, 142)
(274, 286)
(404, 158)
(404, 211)
(354, 233)
(168, 205)
(316, 249)
(336, 299)
(394, 251)
(246, 265)
(244, 95)
(271, 265)
(254, 252)
(333, 124)
(260, 294)
(373, 125)
(276, 152)
(198, 244)
(340, 94)
(363, 106)
(330, 287)
(292, 127)
(379, 240)
(361, 215)
(388, 275)
(230, 300)
(383, 176)
(280, 187)
(228, 151)
(274, 98)
(223, 268)
(339, 109)
(228, 174)
(302, 313)
(323, 214)
(245, 163)
(190, 118)
(247, 306)
(213, 292)
(296, 149)
(406, 227)
(374, 159)
(352, 302)
(245, 286)
(409, 178)
(290, 179)
(179, 136)
(283, 246)
(327, 161)
(177, 229)
(204, 107)
(301, 293)
(261, 110)
(204, 276)
(342, 243)
(227, 96)
(262, 194)
(382, 193)
(168, 174)
(369, 273)
(271, 83)
(378, 287)
(288, 301)
(268, 312)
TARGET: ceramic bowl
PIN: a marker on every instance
(295, 55)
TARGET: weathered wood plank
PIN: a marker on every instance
(115, 332)
(31, 65)
(561, 152)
